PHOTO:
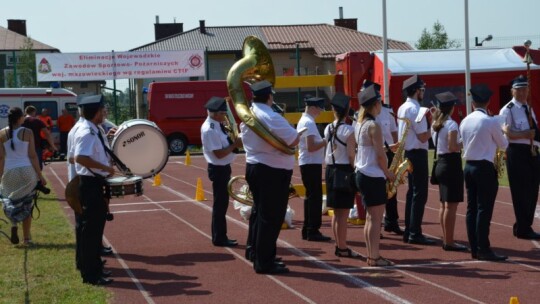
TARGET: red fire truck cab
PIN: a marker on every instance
(178, 109)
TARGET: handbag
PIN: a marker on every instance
(433, 178)
(344, 177)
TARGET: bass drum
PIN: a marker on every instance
(141, 145)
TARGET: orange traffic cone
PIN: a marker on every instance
(187, 162)
(199, 193)
(157, 180)
(514, 300)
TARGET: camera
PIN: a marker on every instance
(109, 217)
(42, 188)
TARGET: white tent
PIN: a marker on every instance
(452, 61)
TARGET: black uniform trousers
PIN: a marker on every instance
(482, 186)
(417, 192)
(270, 189)
(220, 176)
(78, 232)
(312, 180)
(524, 178)
(94, 211)
(391, 214)
(63, 142)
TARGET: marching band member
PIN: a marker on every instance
(268, 173)
(389, 129)
(310, 159)
(340, 152)
(416, 146)
(92, 164)
(372, 172)
(218, 152)
(523, 168)
(449, 170)
(482, 136)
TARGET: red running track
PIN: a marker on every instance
(164, 254)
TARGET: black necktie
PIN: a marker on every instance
(224, 130)
(534, 126)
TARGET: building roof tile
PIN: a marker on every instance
(12, 41)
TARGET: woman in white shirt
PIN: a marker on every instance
(339, 155)
(372, 172)
(19, 172)
(449, 170)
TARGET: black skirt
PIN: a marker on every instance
(372, 189)
(337, 199)
(449, 172)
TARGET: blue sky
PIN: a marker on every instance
(99, 25)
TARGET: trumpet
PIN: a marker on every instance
(238, 189)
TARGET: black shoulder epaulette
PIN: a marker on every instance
(211, 125)
(510, 105)
(386, 105)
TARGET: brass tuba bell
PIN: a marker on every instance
(256, 65)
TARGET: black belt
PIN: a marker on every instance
(478, 162)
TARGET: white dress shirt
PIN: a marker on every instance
(304, 156)
(410, 110)
(71, 148)
(481, 135)
(443, 145)
(213, 138)
(388, 124)
(517, 120)
(87, 143)
(257, 149)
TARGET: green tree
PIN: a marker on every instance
(437, 39)
(26, 67)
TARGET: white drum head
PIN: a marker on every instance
(141, 146)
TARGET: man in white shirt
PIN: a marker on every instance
(268, 173)
(218, 151)
(522, 166)
(482, 136)
(416, 148)
(310, 159)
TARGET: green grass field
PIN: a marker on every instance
(44, 272)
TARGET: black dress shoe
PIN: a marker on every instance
(99, 282)
(106, 251)
(393, 228)
(474, 255)
(405, 237)
(106, 273)
(279, 264)
(278, 259)
(14, 236)
(454, 247)
(421, 240)
(531, 235)
(304, 234)
(274, 270)
(490, 256)
(318, 238)
(226, 243)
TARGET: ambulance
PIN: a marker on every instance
(53, 99)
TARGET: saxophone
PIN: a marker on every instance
(400, 165)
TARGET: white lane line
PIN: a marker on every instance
(138, 211)
(438, 286)
(147, 203)
(134, 279)
(285, 286)
(132, 276)
(348, 277)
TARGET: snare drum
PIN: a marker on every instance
(141, 145)
(120, 186)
